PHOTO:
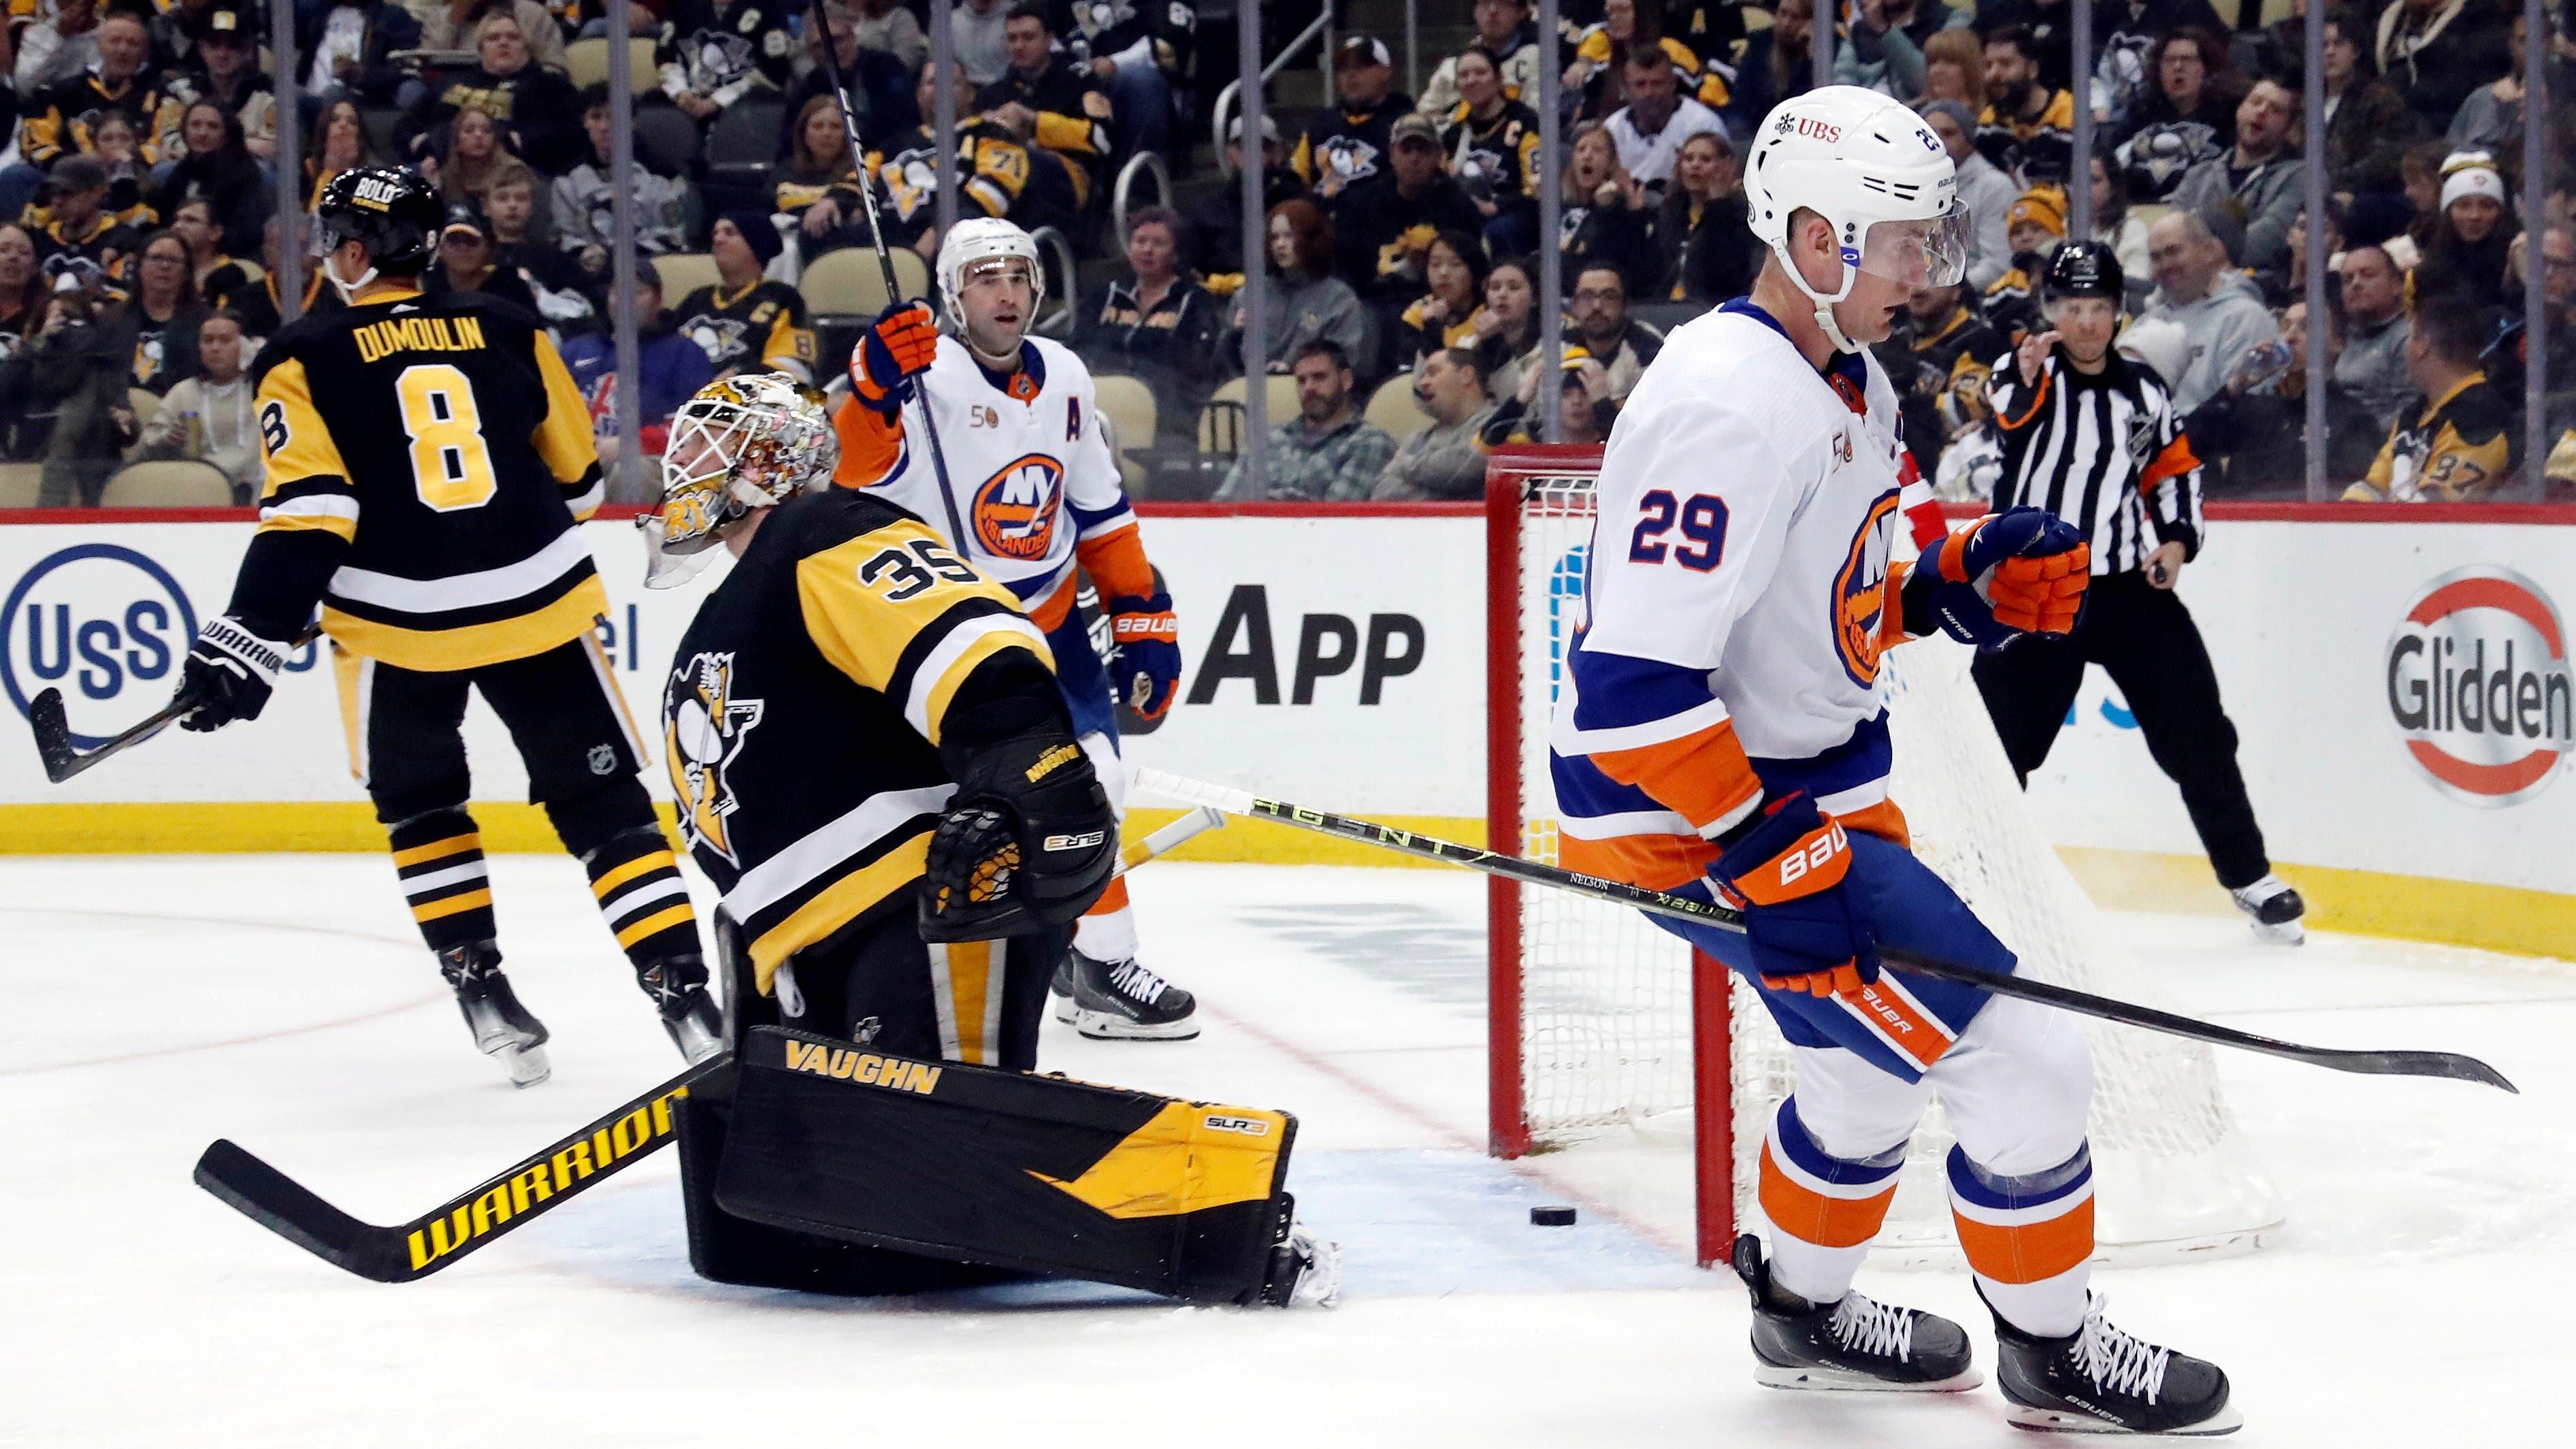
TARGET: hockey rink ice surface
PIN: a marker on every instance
(2418, 1293)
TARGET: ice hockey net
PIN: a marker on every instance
(1605, 1031)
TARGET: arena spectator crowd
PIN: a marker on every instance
(1401, 239)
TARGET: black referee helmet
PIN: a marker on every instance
(2085, 269)
(392, 210)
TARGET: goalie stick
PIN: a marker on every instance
(535, 1184)
(62, 759)
(1529, 872)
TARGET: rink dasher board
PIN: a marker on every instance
(1340, 658)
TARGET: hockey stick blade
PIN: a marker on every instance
(2450, 1065)
(416, 1249)
(62, 759)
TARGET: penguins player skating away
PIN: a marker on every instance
(1722, 731)
(1037, 491)
(428, 460)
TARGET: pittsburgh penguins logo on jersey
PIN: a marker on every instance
(717, 58)
(1343, 160)
(706, 730)
(1860, 592)
(721, 338)
(1015, 509)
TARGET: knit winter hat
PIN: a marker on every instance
(2471, 173)
(2043, 206)
(757, 233)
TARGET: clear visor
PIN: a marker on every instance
(666, 567)
(1928, 252)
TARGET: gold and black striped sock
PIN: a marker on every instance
(637, 883)
(439, 858)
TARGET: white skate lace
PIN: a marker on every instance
(1137, 983)
(2119, 1361)
(1875, 1328)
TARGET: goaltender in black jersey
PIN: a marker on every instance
(874, 764)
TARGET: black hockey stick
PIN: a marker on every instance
(2083, 1003)
(62, 759)
(416, 1249)
(957, 535)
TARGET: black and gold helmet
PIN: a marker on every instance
(392, 210)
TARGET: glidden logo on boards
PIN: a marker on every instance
(2478, 684)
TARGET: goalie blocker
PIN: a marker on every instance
(832, 1167)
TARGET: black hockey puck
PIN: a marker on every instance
(1551, 1217)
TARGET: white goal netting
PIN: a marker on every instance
(1605, 1024)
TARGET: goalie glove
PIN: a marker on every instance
(229, 672)
(896, 348)
(1145, 654)
(2021, 571)
(1027, 843)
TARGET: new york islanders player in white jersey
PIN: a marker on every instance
(1036, 489)
(1722, 732)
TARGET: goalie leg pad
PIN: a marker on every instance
(1034, 1174)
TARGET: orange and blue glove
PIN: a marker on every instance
(2021, 571)
(895, 349)
(1145, 653)
(1786, 871)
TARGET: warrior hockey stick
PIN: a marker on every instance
(957, 535)
(1530, 872)
(416, 1249)
(53, 731)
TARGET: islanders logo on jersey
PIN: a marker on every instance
(1015, 510)
(703, 732)
(1860, 593)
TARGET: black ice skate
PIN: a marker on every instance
(502, 1028)
(1305, 1270)
(2275, 907)
(2100, 1380)
(1122, 1001)
(678, 987)
(1856, 1344)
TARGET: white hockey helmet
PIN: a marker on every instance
(742, 443)
(979, 240)
(1877, 173)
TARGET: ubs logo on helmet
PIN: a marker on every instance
(1015, 510)
(2479, 686)
(90, 620)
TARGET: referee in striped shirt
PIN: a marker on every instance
(2091, 437)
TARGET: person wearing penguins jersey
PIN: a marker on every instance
(2091, 437)
(1032, 496)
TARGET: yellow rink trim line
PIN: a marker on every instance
(2369, 903)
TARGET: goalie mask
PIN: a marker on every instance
(741, 444)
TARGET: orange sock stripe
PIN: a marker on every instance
(1112, 900)
(1812, 1217)
(471, 840)
(453, 905)
(2027, 1252)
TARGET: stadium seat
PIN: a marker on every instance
(666, 140)
(1394, 408)
(683, 273)
(168, 483)
(18, 484)
(847, 282)
(741, 151)
(586, 64)
(1128, 410)
(1221, 432)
